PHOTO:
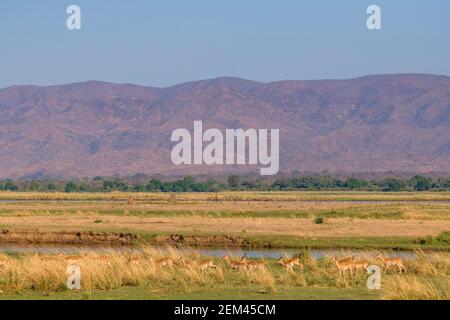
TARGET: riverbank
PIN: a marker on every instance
(92, 238)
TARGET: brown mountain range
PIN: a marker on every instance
(379, 123)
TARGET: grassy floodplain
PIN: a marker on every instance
(369, 221)
(263, 219)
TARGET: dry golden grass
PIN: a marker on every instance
(263, 277)
(105, 272)
(413, 288)
(428, 276)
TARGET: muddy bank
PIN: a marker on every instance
(91, 238)
(111, 238)
(63, 237)
(202, 241)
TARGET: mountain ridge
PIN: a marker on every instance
(376, 123)
(220, 78)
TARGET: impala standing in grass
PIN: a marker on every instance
(387, 262)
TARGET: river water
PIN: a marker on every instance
(212, 252)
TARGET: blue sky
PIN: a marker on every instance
(164, 42)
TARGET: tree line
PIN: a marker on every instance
(233, 183)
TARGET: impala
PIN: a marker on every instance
(359, 265)
(103, 259)
(348, 259)
(289, 264)
(239, 265)
(387, 262)
(252, 265)
(207, 264)
(343, 265)
(132, 259)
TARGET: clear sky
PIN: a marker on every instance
(164, 42)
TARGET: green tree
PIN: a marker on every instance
(188, 183)
(421, 183)
(392, 185)
(137, 187)
(353, 183)
(71, 187)
(281, 184)
(154, 185)
(120, 184)
(34, 185)
(10, 186)
(51, 187)
(115, 185)
(168, 186)
(234, 181)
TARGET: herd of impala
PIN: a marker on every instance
(350, 264)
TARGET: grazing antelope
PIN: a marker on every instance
(166, 261)
(387, 262)
(289, 264)
(343, 265)
(239, 265)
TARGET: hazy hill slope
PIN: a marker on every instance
(370, 124)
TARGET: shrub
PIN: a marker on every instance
(319, 220)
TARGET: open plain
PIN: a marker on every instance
(365, 223)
